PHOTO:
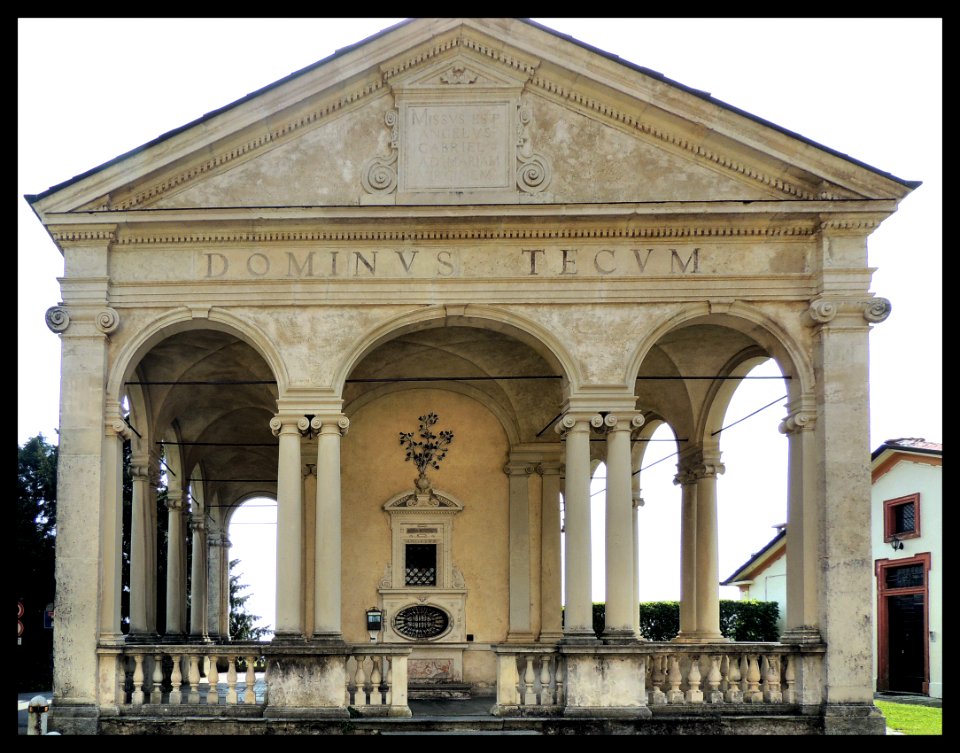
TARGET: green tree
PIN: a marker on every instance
(36, 527)
(242, 626)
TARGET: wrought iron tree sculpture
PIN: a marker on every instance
(429, 450)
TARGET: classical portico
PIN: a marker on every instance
(414, 292)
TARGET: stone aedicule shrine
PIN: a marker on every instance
(481, 221)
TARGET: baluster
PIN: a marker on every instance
(360, 695)
(176, 681)
(529, 692)
(560, 667)
(744, 674)
(694, 694)
(137, 698)
(194, 677)
(376, 697)
(733, 694)
(753, 694)
(714, 694)
(156, 688)
(546, 692)
(790, 694)
(673, 678)
(213, 678)
(656, 695)
(250, 692)
(773, 694)
(231, 698)
(388, 681)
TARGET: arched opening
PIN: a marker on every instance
(253, 570)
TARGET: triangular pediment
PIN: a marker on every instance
(469, 111)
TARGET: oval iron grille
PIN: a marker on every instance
(421, 621)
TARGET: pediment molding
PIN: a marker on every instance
(448, 62)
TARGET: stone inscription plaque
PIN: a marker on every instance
(456, 147)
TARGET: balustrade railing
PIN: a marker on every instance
(377, 681)
(530, 680)
(722, 674)
(186, 675)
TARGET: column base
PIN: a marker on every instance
(142, 638)
(621, 637)
(584, 638)
(552, 637)
(328, 639)
(700, 638)
(288, 639)
(519, 638)
(853, 719)
(72, 719)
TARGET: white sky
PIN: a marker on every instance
(92, 89)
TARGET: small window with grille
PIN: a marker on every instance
(901, 517)
(420, 565)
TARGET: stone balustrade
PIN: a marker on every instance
(377, 681)
(530, 680)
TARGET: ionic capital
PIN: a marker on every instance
(285, 424)
(825, 310)
(709, 469)
(798, 421)
(176, 500)
(331, 425)
(197, 524)
(57, 319)
(619, 422)
(578, 422)
(518, 469)
(684, 477)
(218, 539)
(117, 427)
(549, 468)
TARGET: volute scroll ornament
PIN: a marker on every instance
(534, 171)
(57, 319)
(822, 311)
(877, 310)
(797, 422)
(107, 320)
(379, 173)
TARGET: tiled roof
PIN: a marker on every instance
(914, 443)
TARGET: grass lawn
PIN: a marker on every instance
(912, 720)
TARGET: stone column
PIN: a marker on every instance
(551, 602)
(708, 551)
(620, 578)
(328, 560)
(141, 535)
(176, 575)
(578, 608)
(111, 527)
(519, 628)
(198, 577)
(688, 551)
(289, 534)
(803, 528)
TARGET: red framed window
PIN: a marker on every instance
(901, 517)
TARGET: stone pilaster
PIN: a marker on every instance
(218, 584)
(327, 563)
(198, 577)
(520, 630)
(551, 599)
(111, 528)
(142, 536)
(176, 562)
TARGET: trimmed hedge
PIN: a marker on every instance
(739, 620)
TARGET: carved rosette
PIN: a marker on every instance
(534, 171)
(379, 174)
(107, 320)
(57, 319)
(877, 310)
